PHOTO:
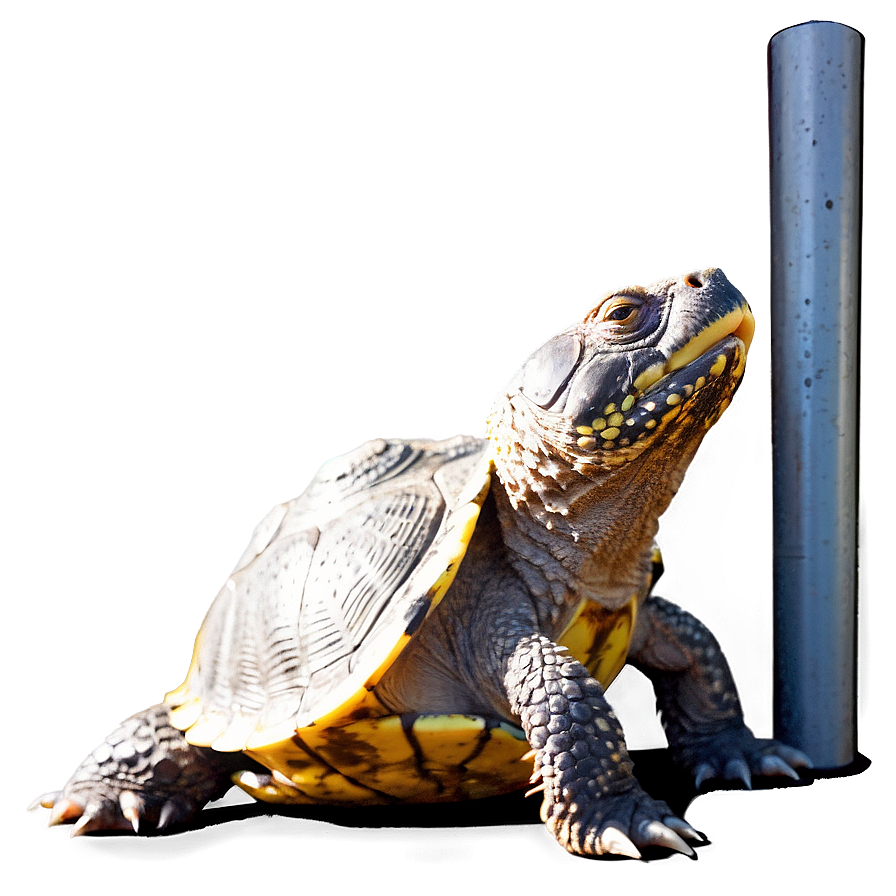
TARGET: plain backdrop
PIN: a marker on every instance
(238, 239)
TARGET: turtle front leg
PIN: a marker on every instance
(592, 802)
(143, 778)
(698, 702)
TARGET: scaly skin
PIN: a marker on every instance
(698, 702)
(592, 803)
(144, 777)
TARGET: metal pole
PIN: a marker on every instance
(815, 129)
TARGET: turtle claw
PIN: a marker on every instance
(792, 756)
(735, 755)
(81, 826)
(683, 829)
(132, 808)
(91, 820)
(615, 842)
(703, 773)
(772, 765)
(45, 800)
(738, 770)
(174, 811)
(657, 833)
(62, 811)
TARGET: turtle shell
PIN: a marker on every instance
(331, 587)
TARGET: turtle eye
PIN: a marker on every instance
(620, 310)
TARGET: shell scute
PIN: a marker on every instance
(331, 588)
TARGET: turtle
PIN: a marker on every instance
(439, 620)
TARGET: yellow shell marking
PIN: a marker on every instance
(615, 419)
(425, 758)
(627, 404)
(610, 433)
(718, 366)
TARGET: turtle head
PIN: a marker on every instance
(647, 365)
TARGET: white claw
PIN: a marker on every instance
(683, 829)
(131, 807)
(167, 815)
(705, 772)
(47, 800)
(173, 811)
(738, 770)
(83, 824)
(793, 757)
(659, 834)
(64, 810)
(612, 840)
(775, 765)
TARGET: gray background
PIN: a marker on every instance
(240, 239)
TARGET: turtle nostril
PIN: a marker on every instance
(694, 281)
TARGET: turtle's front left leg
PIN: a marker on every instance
(143, 778)
(592, 802)
(698, 702)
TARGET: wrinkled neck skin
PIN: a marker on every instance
(575, 528)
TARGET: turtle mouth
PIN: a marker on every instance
(712, 362)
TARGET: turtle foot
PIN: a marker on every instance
(624, 824)
(734, 755)
(143, 779)
(131, 813)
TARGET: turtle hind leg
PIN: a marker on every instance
(144, 778)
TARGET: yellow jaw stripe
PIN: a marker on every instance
(739, 323)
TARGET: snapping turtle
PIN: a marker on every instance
(437, 621)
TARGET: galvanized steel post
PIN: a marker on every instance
(815, 130)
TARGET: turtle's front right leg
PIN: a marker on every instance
(592, 802)
(143, 778)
